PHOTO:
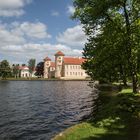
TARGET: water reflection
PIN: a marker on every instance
(40, 109)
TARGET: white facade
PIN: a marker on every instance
(74, 72)
(64, 68)
(58, 66)
(24, 72)
(47, 65)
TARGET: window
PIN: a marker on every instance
(59, 61)
(67, 67)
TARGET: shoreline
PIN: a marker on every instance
(8, 79)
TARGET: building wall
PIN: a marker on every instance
(74, 72)
(62, 70)
(58, 66)
(46, 68)
(24, 73)
(51, 72)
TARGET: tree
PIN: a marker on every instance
(5, 70)
(113, 52)
(15, 70)
(40, 69)
(31, 65)
(23, 65)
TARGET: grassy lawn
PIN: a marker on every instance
(117, 119)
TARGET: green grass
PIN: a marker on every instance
(126, 90)
(79, 131)
(118, 119)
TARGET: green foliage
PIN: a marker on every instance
(40, 69)
(5, 70)
(15, 70)
(113, 47)
(31, 65)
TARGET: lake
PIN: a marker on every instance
(38, 110)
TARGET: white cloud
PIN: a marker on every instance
(70, 9)
(74, 37)
(9, 8)
(55, 13)
(17, 42)
(8, 37)
(11, 13)
(18, 34)
(34, 30)
(23, 53)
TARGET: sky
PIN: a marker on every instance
(38, 28)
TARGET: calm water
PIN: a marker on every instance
(37, 110)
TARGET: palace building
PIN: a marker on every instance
(64, 67)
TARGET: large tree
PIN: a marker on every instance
(31, 65)
(40, 69)
(113, 28)
(15, 70)
(5, 70)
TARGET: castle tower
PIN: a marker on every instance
(47, 64)
(58, 64)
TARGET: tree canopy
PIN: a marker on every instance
(113, 47)
(40, 69)
(31, 65)
(5, 70)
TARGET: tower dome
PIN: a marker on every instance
(59, 53)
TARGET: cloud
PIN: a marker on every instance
(9, 37)
(21, 54)
(21, 33)
(9, 8)
(11, 13)
(55, 13)
(74, 37)
(18, 42)
(33, 30)
(70, 10)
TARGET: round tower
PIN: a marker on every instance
(59, 56)
(47, 64)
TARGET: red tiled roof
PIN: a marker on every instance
(23, 67)
(47, 59)
(52, 64)
(73, 61)
(59, 53)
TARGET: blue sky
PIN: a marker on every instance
(38, 28)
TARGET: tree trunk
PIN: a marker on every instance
(124, 81)
(123, 75)
(134, 80)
